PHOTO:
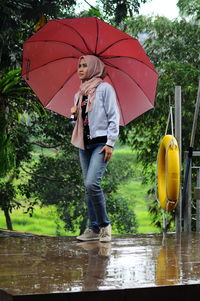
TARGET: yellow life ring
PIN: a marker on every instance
(168, 173)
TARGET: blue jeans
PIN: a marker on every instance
(93, 167)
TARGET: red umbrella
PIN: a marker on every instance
(50, 59)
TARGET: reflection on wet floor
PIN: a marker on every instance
(41, 265)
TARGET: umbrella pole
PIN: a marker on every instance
(190, 150)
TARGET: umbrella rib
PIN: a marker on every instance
(97, 35)
(60, 87)
(62, 58)
(110, 65)
(128, 57)
(82, 38)
(114, 43)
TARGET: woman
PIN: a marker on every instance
(95, 133)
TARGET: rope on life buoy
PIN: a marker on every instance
(168, 173)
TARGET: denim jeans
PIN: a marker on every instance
(93, 167)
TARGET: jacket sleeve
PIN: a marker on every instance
(112, 113)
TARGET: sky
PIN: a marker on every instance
(165, 8)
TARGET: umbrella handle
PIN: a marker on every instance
(73, 117)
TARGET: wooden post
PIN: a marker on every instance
(178, 135)
(187, 216)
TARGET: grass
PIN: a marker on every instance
(46, 221)
(43, 221)
(135, 193)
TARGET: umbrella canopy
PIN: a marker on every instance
(50, 59)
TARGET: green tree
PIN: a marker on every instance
(190, 8)
(15, 99)
(118, 10)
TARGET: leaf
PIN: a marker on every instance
(8, 77)
(36, 109)
(18, 90)
(10, 86)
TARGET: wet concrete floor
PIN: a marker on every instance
(34, 265)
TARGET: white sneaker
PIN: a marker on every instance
(88, 234)
(104, 249)
(105, 234)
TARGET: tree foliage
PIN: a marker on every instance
(15, 100)
(190, 8)
(176, 60)
(119, 10)
(9, 89)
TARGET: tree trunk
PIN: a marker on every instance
(8, 219)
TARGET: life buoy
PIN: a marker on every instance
(168, 173)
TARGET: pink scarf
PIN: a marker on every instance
(96, 71)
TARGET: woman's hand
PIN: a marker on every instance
(74, 110)
(74, 114)
(108, 152)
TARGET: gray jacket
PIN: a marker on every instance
(104, 117)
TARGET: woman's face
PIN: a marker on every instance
(83, 70)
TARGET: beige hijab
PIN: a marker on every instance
(96, 72)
